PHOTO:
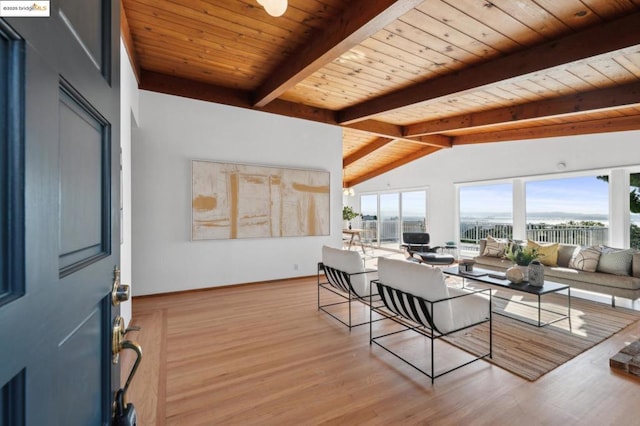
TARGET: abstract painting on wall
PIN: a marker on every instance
(231, 201)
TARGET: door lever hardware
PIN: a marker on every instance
(120, 292)
(124, 414)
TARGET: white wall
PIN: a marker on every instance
(467, 163)
(128, 118)
(173, 131)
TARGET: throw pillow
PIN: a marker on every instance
(495, 247)
(585, 259)
(548, 252)
(615, 261)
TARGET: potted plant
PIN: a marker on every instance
(348, 214)
(522, 256)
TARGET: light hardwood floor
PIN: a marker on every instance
(263, 354)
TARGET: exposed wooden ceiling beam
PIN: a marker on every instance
(617, 124)
(379, 128)
(393, 131)
(365, 150)
(172, 85)
(404, 160)
(616, 97)
(602, 39)
(125, 31)
(362, 19)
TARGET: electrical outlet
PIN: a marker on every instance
(295, 266)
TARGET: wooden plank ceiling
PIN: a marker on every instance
(403, 78)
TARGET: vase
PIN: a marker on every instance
(515, 275)
(525, 271)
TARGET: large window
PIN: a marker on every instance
(570, 210)
(486, 210)
(386, 216)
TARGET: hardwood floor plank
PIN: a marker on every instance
(263, 354)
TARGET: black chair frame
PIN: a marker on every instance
(339, 282)
(407, 316)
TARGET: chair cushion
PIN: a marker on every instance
(422, 281)
(351, 263)
(470, 309)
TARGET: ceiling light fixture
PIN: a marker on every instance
(274, 7)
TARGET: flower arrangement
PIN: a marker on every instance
(522, 255)
(348, 213)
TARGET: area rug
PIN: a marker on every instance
(529, 351)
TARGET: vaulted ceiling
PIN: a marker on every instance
(405, 78)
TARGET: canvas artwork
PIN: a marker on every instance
(248, 201)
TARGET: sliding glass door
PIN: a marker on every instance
(385, 216)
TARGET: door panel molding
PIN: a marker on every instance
(12, 401)
(85, 151)
(90, 25)
(12, 263)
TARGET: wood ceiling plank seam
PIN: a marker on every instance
(208, 64)
(250, 16)
(384, 54)
(371, 74)
(567, 107)
(413, 48)
(587, 73)
(197, 37)
(581, 16)
(633, 66)
(550, 86)
(194, 29)
(558, 130)
(448, 34)
(614, 71)
(128, 42)
(462, 22)
(571, 80)
(361, 19)
(610, 8)
(336, 85)
(535, 17)
(499, 20)
(384, 71)
(344, 81)
(198, 76)
(592, 42)
(366, 150)
(423, 64)
(200, 19)
(432, 42)
(198, 48)
(366, 80)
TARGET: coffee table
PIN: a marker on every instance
(483, 276)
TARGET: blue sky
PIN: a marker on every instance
(586, 195)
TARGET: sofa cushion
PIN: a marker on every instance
(548, 252)
(351, 263)
(586, 259)
(566, 253)
(597, 278)
(495, 247)
(615, 261)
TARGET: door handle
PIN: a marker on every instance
(124, 413)
(119, 292)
